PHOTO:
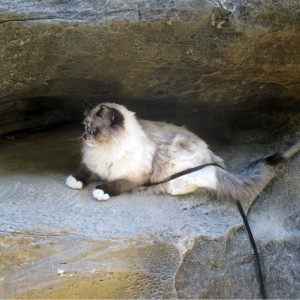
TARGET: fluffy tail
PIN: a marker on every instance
(255, 177)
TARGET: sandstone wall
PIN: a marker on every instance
(228, 62)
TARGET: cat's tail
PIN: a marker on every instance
(255, 177)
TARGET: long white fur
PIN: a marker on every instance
(128, 156)
(178, 149)
(144, 144)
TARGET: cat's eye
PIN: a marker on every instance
(92, 130)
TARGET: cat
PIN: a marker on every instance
(124, 153)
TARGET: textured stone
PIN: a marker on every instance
(218, 58)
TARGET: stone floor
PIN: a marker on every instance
(61, 243)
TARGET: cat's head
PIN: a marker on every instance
(104, 123)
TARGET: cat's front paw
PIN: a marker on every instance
(100, 195)
(73, 183)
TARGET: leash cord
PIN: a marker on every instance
(241, 211)
(182, 173)
(253, 244)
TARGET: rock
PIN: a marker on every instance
(61, 243)
(228, 70)
(229, 62)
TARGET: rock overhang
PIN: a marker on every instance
(217, 58)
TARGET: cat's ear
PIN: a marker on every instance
(106, 113)
(87, 107)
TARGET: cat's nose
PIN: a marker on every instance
(85, 136)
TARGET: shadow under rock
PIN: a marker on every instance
(55, 150)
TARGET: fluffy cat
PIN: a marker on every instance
(124, 153)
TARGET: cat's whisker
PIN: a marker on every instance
(79, 138)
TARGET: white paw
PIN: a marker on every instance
(100, 195)
(73, 183)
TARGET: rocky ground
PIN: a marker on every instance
(61, 243)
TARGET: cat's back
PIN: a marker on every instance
(162, 132)
(177, 145)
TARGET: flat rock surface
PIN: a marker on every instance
(61, 243)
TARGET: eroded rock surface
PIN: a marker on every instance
(216, 56)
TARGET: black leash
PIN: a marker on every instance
(185, 172)
(253, 244)
(241, 211)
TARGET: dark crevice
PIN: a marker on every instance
(259, 121)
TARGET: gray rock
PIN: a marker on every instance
(60, 243)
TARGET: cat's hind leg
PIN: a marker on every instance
(205, 178)
(181, 152)
(80, 179)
